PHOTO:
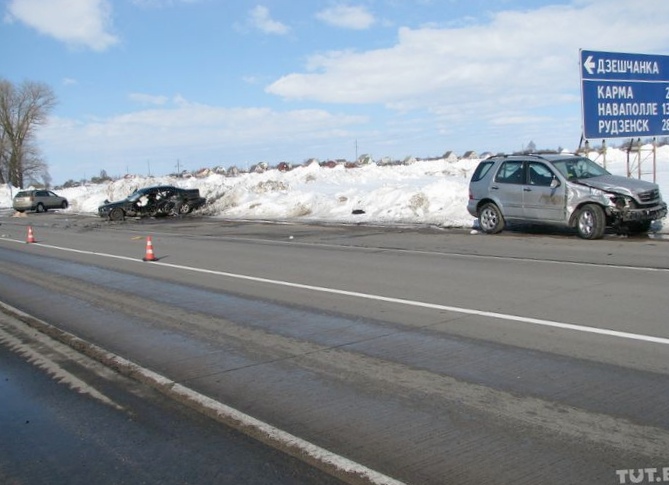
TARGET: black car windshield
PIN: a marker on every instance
(135, 196)
(579, 168)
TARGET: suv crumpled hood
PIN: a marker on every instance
(619, 185)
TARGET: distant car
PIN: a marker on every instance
(565, 190)
(162, 200)
(38, 201)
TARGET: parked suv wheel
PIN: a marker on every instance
(490, 219)
(591, 222)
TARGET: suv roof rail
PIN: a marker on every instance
(507, 155)
(540, 155)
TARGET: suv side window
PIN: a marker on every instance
(511, 172)
(540, 174)
(481, 170)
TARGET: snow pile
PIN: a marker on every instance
(424, 193)
(431, 192)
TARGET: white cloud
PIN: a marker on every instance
(259, 17)
(184, 127)
(519, 58)
(84, 23)
(348, 17)
(148, 98)
(160, 3)
(250, 79)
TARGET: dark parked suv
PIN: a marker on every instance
(564, 190)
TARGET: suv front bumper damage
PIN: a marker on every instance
(638, 215)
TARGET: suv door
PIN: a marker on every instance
(507, 188)
(42, 197)
(544, 197)
(52, 201)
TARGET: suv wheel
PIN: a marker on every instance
(591, 222)
(40, 208)
(490, 219)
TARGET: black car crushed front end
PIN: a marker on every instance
(163, 200)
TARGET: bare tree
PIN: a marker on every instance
(22, 109)
(4, 156)
(35, 170)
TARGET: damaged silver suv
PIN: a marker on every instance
(564, 190)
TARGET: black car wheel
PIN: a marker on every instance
(185, 208)
(116, 214)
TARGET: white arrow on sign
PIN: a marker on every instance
(589, 65)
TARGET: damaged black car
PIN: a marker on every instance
(157, 201)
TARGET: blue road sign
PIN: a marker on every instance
(624, 95)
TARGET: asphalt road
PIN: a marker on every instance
(429, 356)
(67, 419)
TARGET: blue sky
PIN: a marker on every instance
(144, 85)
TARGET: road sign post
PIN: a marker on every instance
(624, 95)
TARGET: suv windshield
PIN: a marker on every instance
(579, 168)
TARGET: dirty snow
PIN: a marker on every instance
(422, 192)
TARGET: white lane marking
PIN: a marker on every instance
(261, 430)
(401, 301)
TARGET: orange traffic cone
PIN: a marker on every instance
(31, 236)
(149, 251)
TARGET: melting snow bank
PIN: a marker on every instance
(432, 193)
(425, 193)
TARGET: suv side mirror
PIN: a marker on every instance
(555, 183)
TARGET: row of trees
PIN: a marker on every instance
(23, 108)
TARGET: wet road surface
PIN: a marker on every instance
(66, 422)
